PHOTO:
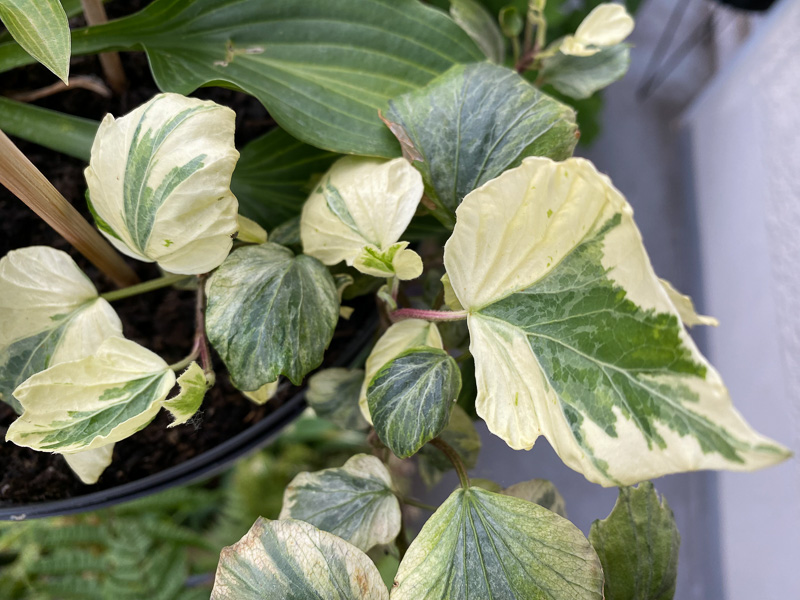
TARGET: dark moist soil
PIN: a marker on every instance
(27, 476)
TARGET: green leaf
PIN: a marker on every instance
(333, 394)
(638, 546)
(481, 26)
(274, 176)
(270, 313)
(41, 28)
(410, 398)
(575, 338)
(193, 385)
(473, 123)
(322, 69)
(541, 492)
(355, 502)
(581, 76)
(480, 545)
(293, 560)
(462, 436)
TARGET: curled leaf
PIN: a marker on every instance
(607, 25)
(193, 386)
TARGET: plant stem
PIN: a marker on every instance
(428, 315)
(95, 14)
(144, 287)
(28, 184)
(454, 458)
(200, 339)
(417, 503)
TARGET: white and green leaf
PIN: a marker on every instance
(606, 25)
(638, 546)
(102, 399)
(685, 307)
(410, 398)
(263, 394)
(581, 76)
(575, 338)
(474, 122)
(293, 560)
(400, 337)
(481, 26)
(50, 313)
(193, 385)
(357, 214)
(355, 502)
(270, 313)
(480, 545)
(541, 492)
(461, 435)
(42, 29)
(159, 183)
(333, 394)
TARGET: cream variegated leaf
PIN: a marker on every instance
(90, 464)
(250, 231)
(607, 25)
(263, 394)
(193, 386)
(293, 560)
(397, 339)
(159, 183)
(102, 398)
(355, 502)
(49, 313)
(575, 338)
(685, 307)
(358, 212)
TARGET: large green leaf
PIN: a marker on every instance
(638, 545)
(581, 76)
(355, 502)
(293, 560)
(270, 313)
(473, 123)
(481, 545)
(575, 338)
(41, 28)
(411, 396)
(322, 69)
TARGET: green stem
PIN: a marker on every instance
(415, 502)
(144, 287)
(454, 458)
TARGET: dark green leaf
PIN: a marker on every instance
(270, 313)
(581, 76)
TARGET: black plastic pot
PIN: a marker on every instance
(202, 466)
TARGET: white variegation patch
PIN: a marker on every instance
(685, 307)
(263, 394)
(607, 25)
(358, 212)
(159, 183)
(575, 338)
(90, 464)
(397, 339)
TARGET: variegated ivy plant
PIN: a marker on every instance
(541, 315)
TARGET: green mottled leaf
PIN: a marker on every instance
(355, 502)
(462, 436)
(41, 28)
(575, 338)
(541, 492)
(333, 394)
(638, 546)
(481, 545)
(473, 123)
(193, 385)
(322, 69)
(270, 313)
(293, 560)
(481, 26)
(581, 76)
(410, 398)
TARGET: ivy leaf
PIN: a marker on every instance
(159, 183)
(42, 29)
(49, 313)
(461, 435)
(355, 502)
(541, 492)
(293, 560)
(333, 394)
(473, 123)
(638, 545)
(481, 26)
(263, 394)
(89, 465)
(581, 76)
(575, 338)
(270, 313)
(411, 396)
(479, 545)
(193, 386)
(102, 399)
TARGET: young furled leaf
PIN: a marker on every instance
(159, 183)
(575, 338)
(89, 465)
(411, 396)
(481, 26)
(480, 545)
(400, 337)
(193, 386)
(638, 545)
(461, 435)
(541, 492)
(355, 502)
(270, 313)
(293, 560)
(102, 398)
(474, 122)
(581, 76)
(333, 394)
(607, 25)
(42, 29)
(357, 214)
